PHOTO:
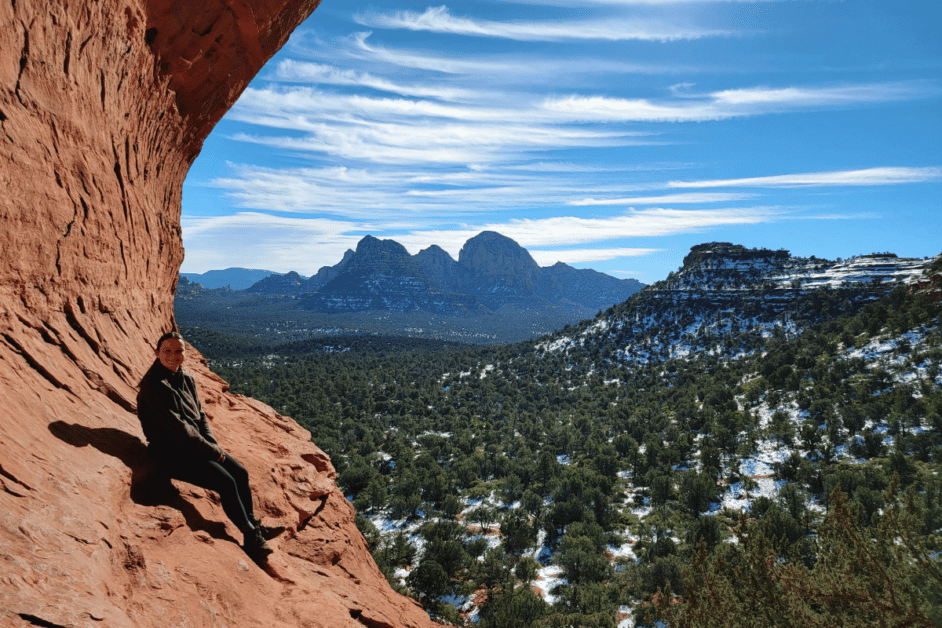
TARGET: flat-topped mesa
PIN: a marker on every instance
(731, 252)
(726, 273)
(104, 104)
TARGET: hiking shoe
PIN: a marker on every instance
(256, 546)
(267, 532)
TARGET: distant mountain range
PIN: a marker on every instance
(234, 278)
(492, 272)
(495, 292)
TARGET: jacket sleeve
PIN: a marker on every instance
(164, 426)
(205, 432)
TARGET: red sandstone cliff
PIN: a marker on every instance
(104, 105)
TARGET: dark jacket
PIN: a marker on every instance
(172, 417)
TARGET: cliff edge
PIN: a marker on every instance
(104, 104)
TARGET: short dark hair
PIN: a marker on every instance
(168, 336)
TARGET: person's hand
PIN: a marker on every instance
(222, 454)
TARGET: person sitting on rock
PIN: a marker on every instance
(183, 447)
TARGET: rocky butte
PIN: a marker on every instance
(104, 104)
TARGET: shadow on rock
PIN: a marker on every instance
(149, 487)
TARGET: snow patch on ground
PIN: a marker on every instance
(547, 579)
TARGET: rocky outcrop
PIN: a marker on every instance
(289, 283)
(493, 271)
(501, 268)
(587, 287)
(732, 268)
(327, 273)
(728, 300)
(439, 266)
(728, 251)
(104, 104)
(381, 275)
(500, 272)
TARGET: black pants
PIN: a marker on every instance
(228, 478)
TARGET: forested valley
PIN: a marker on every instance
(774, 473)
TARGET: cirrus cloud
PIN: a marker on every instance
(866, 176)
(440, 20)
(734, 103)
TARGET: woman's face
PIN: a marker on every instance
(171, 353)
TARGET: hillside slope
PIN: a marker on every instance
(727, 299)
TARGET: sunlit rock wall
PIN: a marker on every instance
(104, 104)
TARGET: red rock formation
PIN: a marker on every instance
(104, 104)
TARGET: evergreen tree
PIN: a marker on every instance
(886, 577)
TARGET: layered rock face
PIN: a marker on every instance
(381, 275)
(502, 267)
(104, 104)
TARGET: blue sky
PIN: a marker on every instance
(607, 134)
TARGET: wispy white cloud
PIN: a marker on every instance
(264, 222)
(302, 107)
(382, 192)
(446, 144)
(401, 130)
(307, 108)
(353, 193)
(354, 144)
(307, 72)
(440, 20)
(486, 129)
(577, 230)
(499, 69)
(660, 221)
(277, 243)
(693, 197)
(358, 47)
(577, 256)
(802, 96)
(734, 103)
(867, 176)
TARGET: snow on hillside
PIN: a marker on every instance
(893, 354)
(661, 324)
(730, 273)
(862, 269)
